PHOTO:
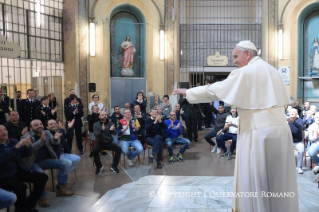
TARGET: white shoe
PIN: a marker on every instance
(299, 170)
(130, 162)
(214, 148)
(315, 170)
(218, 151)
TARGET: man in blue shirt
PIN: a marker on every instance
(172, 134)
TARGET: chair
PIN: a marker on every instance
(87, 138)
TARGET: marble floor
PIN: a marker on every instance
(145, 188)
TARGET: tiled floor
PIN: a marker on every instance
(130, 189)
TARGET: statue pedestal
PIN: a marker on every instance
(127, 72)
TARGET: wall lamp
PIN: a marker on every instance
(92, 39)
(162, 42)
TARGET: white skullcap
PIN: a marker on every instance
(246, 44)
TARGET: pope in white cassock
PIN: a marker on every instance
(265, 162)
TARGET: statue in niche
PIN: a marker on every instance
(128, 51)
(314, 57)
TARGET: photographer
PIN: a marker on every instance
(229, 132)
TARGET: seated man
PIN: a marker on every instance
(6, 198)
(92, 119)
(229, 132)
(128, 129)
(15, 128)
(44, 157)
(154, 127)
(141, 119)
(309, 118)
(116, 117)
(62, 150)
(13, 173)
(172, 134)
(221, 115)
(103, 131)
(296, 127)
(314, 138)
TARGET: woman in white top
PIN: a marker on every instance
(96, 99)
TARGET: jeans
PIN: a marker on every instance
(125, 148)
(71, 160)
(210, 135)
(156, 142)
(179, 140)
(314, 148)
(110, 146)
(6, 198)
(227, 136)
(115, 139)
(16, 185)
(53, 164)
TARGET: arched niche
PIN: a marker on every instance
(127, 20)
(308, 88)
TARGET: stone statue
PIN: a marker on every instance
(128, 51)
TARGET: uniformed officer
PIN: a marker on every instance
(18, 100)
(74, 110)
(3, 109)
(44, 112)
(27, 107)
(67, 100)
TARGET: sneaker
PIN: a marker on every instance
(218, 151)
(99, 170)
(229, 156)
(171, 160)
(214, 148)
(224, 155)
(315, 170)
(91, 155)
(159, 165)
(81, 153)
(299, 170)
(179, 157)
(115, 169)
(44, 202)
(151, 159)
(130, 162)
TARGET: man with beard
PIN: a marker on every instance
(13, 173)
(15, 128)
(103, 131)
(92, 119)
(44, 157)
(116, 117)
(18, 100)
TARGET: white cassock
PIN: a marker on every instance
(264, 155)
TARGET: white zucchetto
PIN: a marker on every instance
(246, 44)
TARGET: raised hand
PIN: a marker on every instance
(54, 110)
(24, 131)
(76, 110)
(180, 91)
(43, 113)
(178, 126)
(27, 141)
(19, 144)
(112, 127)
(57, 135)
(43, 136)
(70, 124)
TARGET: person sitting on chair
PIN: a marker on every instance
(103, 131)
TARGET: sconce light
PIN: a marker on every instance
(280, 46)
(38, 15)
(162, 36)
(92, 39)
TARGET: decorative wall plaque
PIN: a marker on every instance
(8, 49)
(217, 60)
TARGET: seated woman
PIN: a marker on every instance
(96, 99)
(229, 132)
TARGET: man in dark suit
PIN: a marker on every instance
(5, 97)
(74, 110)
(27, 107)
(44, 112)
(18, 100)
(67, 100)
(191, 112)
(3, 109)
